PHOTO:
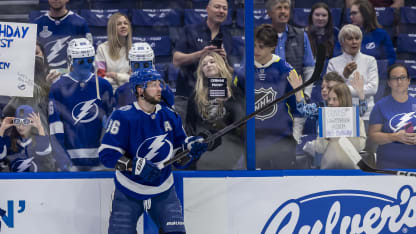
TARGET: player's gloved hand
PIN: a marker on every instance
(145, 169)
(124, 164)
(196, 146)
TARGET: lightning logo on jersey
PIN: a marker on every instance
(156, 148)
(85, 112)
(56, 48)
(402, 121)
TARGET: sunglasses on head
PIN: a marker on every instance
(18, 121)
(81, 61)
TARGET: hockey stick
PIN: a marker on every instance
(355, 157)
(320, 60)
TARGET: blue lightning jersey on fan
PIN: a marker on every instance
(54, 35)
(77, 117)
(134, 133)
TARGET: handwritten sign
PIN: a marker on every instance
(17, 58)
(339, 122)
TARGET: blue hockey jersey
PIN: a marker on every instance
(77, 116)
(34, 150)
(54, 35)
(134, 133)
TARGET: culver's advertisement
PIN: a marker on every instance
(301, 204)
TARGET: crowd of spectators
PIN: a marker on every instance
(358, 51)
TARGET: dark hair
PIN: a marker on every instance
(266, 34)
(369, 15)
(329, 31)
(333, 76)
(396, 65)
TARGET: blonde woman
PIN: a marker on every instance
(206, 116)
(111, 60)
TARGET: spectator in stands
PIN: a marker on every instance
(293, 44)
(393, 121)
(39, 101)
(199, 39)
(321, 29)
(311, 110)
(207, 115)
(275, 144)
(338, 96)
(376, 41)
(352, 61)
(310, 3)
(79, 104)
(112, 56)
(28, 146)
(56, 28)
(380, 3)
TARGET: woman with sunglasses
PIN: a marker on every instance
(393, 121)
(26, 145)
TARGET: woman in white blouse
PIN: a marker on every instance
(352, 61)
(111, 60)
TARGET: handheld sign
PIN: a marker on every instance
(339, 122)
(17, 58)
(217, 88)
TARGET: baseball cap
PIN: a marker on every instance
(23, 111)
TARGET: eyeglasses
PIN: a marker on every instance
(81, 61)
(401, 78)
(18, 121)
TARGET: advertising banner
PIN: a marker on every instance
(17, 58)
(300, 204)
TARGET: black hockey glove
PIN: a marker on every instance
(124, 164)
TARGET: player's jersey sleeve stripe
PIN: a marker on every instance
(105, 146)
(56, 128)
(45, 152)
(4, 153)
(83, 153)
(144, 189)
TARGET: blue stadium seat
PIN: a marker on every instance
(35, 14)
(300, 17)
(260, 17)
(157, 17)
(382, 67)
(72, 5)
(196, 16)
(407, 20)
(410, 2)
(97, 40)
(411, 67)
(173, 73)
(163, 4)
(406, 46)
(160, 45)
(113, 4)
(238, 46)
(99, 18)
(336, 16)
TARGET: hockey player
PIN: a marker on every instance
(79, 103)
(139, 138)
(56, 28)
(141, 56)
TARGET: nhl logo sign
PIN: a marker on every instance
(263, 97)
